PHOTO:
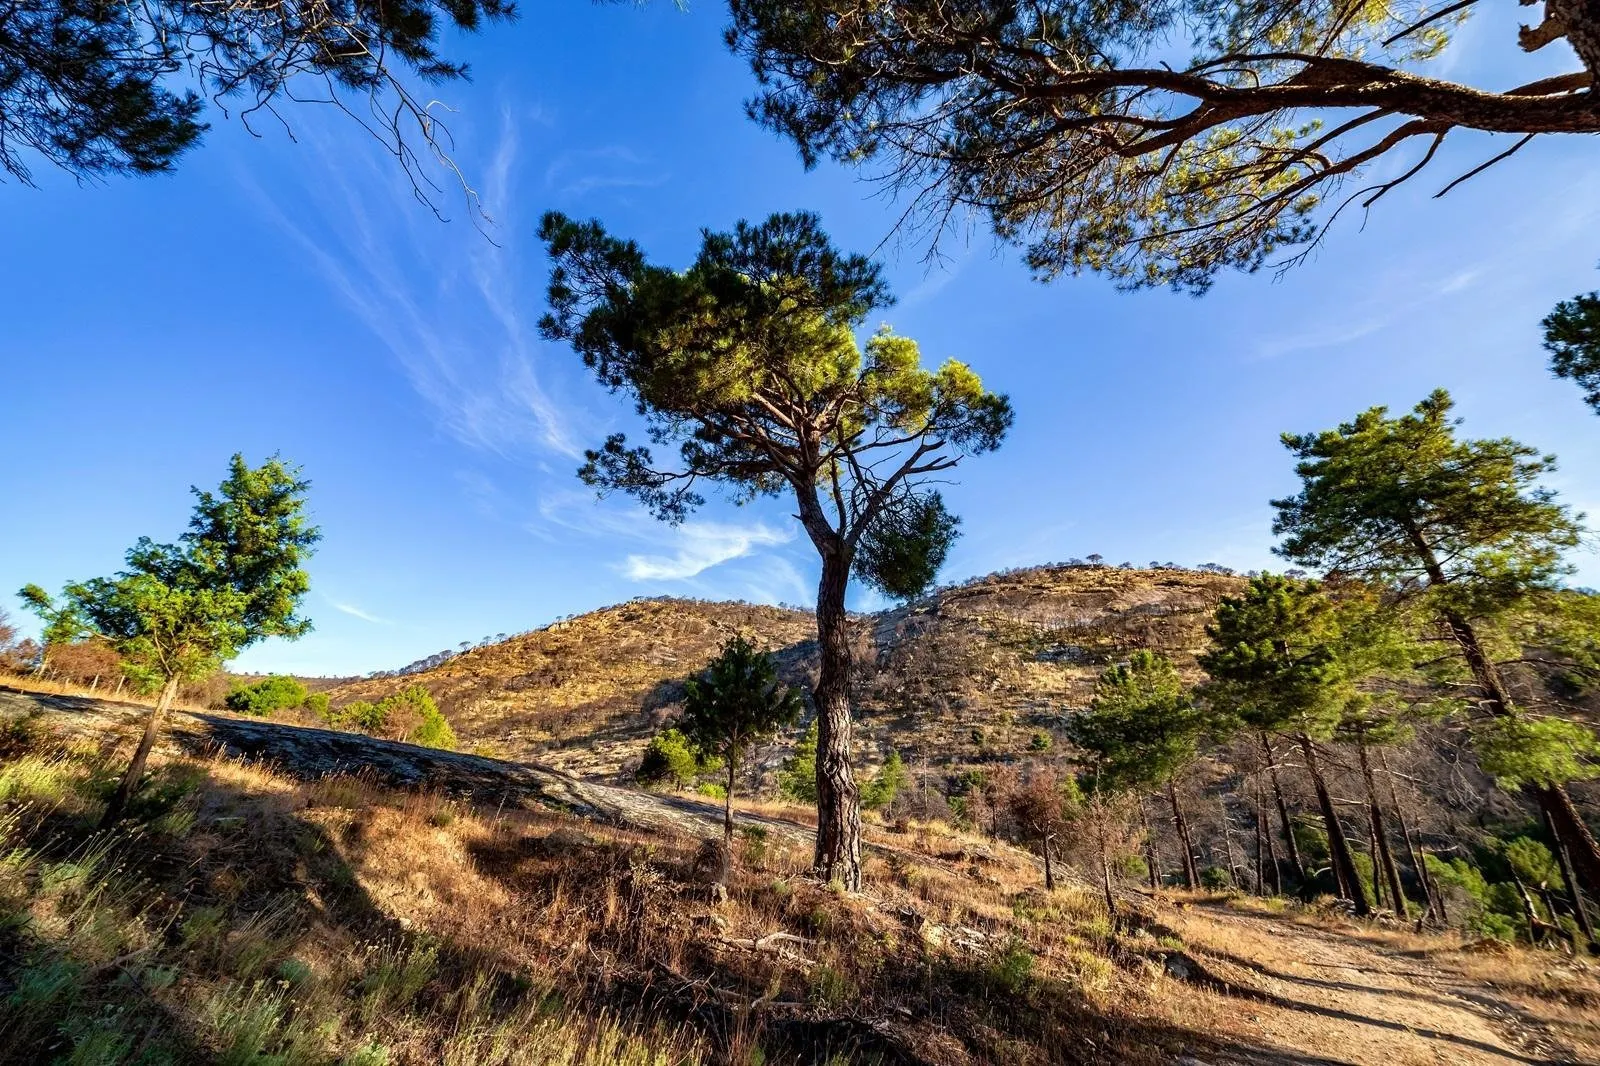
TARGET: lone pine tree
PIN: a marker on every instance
(748, 364)
(736, 701)
(179, 611)
(1460, 530)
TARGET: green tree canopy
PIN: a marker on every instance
(736, 702)
(1157, 143)
(1572, 337)
(1462, 530)
(179, 611)
(1142, 727)
(276, 693)
(747, 364)
(99, 89)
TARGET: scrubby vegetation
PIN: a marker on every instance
(410, 715)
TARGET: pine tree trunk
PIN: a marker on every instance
(1152, 854)
(1227, 842)
(118, 804)
(1417, 866)
(1274, 876)
(1296, 867)
(1191, 875)
(838, 851)
(1553, 800)
(1380, 837)
(1049, 871)
(1344, 867)
(1573, 891)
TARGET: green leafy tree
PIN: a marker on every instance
(179, 611)
(1080, 130)
(797, 778)
(1460, 531)
(738, 701)
(670, 759)
(890, 780)
(747, 363)
(411, 715)
(1276, 667)
(1572, 337)
(1140, 731)
(270, 694)
(99, 89)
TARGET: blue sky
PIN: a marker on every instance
(279, 295)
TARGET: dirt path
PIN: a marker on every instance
(1352, 1000)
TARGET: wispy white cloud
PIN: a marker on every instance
(355, 612)
(578, 172)
(685, 550)
(700, 546)
(444, 299)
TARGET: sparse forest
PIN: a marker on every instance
(1342, 810)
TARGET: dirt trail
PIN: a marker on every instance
(1313, 996)
(1352, 1000)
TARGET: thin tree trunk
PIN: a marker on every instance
(1296, 867)
(1191, 875)
(1417, 866)
(1049, 871)
(1105, 868)
(1338, 844)
(1579, 910)
(1380, 836)
(130, 780)
(1152, 854)
(838, 851)
(1378, 901)
(1227, 841)
(1264, 824)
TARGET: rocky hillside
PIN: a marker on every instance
(968, 675)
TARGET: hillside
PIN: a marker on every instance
(966, 676)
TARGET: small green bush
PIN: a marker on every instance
(271, 694)
(797, 780)
(670, 761)
(886, 783)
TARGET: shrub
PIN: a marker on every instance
(270, 694)
(669, 761)
(797, 780)
(885, 784)
(1215, 878)
(317, 704)
(410, 715)
(1040, 741)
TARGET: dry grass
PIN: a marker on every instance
(335, 921)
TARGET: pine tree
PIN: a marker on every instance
(1276, 667)
(1460, 531)
(748, 363)
(736, 702)
(1141, 730)
(179, 611)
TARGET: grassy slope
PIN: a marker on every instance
(252, 918)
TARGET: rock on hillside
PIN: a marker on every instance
(963, 677)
